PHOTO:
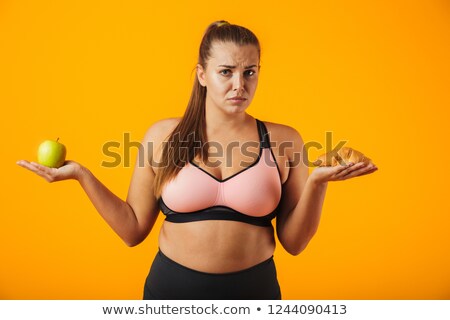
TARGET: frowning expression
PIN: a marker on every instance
(231, 76)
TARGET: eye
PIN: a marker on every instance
(250, 71)
(226, 72)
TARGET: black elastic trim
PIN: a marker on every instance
(235, 174)
(215, 213)
(263, 134)
(265, 143)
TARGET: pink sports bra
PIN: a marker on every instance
(252, 195)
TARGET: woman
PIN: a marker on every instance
(220, 176)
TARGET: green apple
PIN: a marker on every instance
(52, 153)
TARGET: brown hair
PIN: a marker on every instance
(188, 139)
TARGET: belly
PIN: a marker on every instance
(216, 246)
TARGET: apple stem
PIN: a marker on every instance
(57, 139)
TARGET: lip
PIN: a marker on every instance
(237, 99)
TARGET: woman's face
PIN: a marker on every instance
(232, 71)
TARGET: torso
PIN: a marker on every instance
(219, 246)
(216, 246)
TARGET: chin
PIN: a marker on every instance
(235, 109)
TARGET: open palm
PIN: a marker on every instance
(69, 170)
(342, 172)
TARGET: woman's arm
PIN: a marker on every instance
(304, 195)
(132, 219)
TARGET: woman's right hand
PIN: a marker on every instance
(70, 170)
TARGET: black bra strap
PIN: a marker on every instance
(263, 135)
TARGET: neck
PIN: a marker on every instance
(218, 122)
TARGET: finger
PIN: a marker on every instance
(27, 165)
(346, 170)
(40, 173)
(22, 163)
(38, 169)
(43, 168)
(368, 172)
(366, 169)
(342, 169)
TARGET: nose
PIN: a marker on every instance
(239, 84)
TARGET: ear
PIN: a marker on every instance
(201, 75)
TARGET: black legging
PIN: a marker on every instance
(169, 280)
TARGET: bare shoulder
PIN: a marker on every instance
(154, 139)
(161, 129)
(282, 133)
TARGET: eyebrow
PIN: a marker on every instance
(232, 67)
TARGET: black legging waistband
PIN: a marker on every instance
(259, 265)
(168, 279)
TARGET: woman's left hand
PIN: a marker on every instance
(342, 172)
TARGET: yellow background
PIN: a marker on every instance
(375, 73)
